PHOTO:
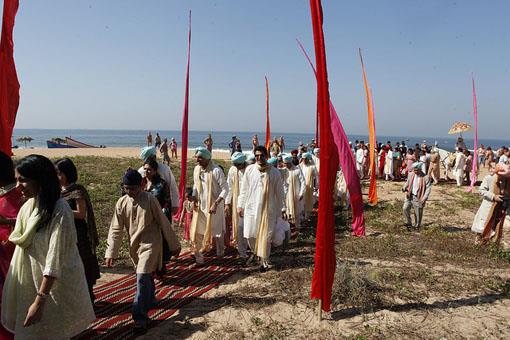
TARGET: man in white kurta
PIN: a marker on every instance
(209, 189)
(261, 202)
(458, 169)
(234, 181)
(316, 159)
(294, 188)
(360, 158)
(311, 177)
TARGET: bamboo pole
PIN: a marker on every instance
(319, 312)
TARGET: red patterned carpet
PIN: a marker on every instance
(183, 282)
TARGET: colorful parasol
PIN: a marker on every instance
(459, 127)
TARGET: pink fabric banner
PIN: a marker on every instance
(474, 167)
(184, 133)
(348, 164)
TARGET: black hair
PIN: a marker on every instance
(260, 148)
(67, 167)
(6, 169)
(152, 163)
(41, 170)
(155, 166)
(189, 191)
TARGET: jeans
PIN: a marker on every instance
(144, 298)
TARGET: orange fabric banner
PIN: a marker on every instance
(268, 128)
(372, 191)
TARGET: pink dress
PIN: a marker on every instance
(10, 203)
(188, 214)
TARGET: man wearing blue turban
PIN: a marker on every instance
(210, 189)
(234, 181)
(294, 186)
(311, 182)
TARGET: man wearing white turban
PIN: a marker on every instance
(209, 189)
(311, 177)
(294, 187)
(417, 189)
(234, 181)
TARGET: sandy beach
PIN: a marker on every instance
(121, 152)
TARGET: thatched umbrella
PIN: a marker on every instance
(24, 139)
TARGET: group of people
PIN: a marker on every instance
(164, 147)
(48, 261)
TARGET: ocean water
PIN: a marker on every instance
(221, 139)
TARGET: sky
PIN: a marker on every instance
(120, 64)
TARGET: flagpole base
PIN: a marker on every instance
(319, 311)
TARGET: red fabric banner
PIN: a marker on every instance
(372, 191)
(324, 272)
(184, 133)
(9, 85)
(268, 127)
(347, 162)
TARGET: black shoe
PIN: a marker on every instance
(263, 269)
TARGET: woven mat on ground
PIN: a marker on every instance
(183, 282)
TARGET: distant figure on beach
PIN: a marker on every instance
(458, 168)
(435, 166)
(158, 141)
(173, 148)
(233, 145)
(281, 141)
(254, 142)
(417, 189)
(208, 142)
(489, 157)
(275, 148)
(164, 151)
(149, 139)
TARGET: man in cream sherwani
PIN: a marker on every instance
(209, 189)
(294, 187)
(234, 181)
(311, 177)
(261, 202)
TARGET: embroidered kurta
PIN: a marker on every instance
(311, 186)
(144, 221)
(294, 188)
(52, 252)
(234, 182)
(388, 165)
(219, 188)
(251, 199)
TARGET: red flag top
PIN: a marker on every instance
(9, 85)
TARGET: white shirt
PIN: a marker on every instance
(250, 198)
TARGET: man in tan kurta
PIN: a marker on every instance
(140, 214)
